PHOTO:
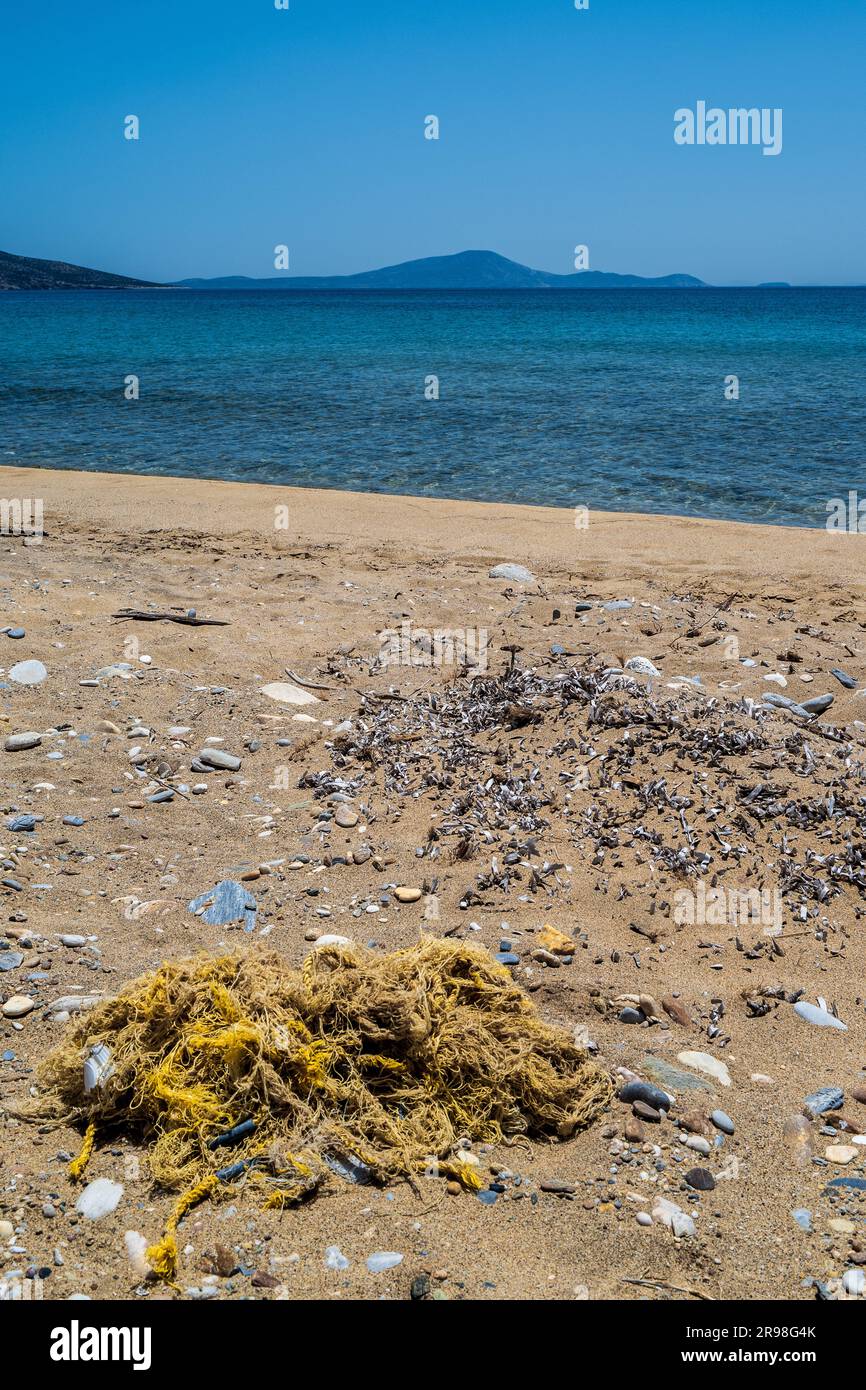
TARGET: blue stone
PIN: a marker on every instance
(631, 1016)
(228, 902)
(722, 1121)
(15, 632)
(73, 820)
(507, 958)
(488, 1197)
(829, 1098)
(650, 1095)
(22, 823)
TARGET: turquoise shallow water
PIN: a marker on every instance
(603, 398)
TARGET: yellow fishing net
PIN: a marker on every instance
(383, 1061)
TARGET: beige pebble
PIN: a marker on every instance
(840, 1153)
(407, 895)
(7, 1230)
(18, 1006)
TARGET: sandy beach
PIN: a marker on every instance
(507, 763)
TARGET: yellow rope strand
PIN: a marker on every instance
(78, 1165)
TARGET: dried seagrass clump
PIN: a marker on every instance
(360, 1058)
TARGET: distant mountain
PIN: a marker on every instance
(25, 273)
(468, 270)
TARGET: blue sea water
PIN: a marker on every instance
(604, 398)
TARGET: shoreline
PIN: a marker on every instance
(500, 531)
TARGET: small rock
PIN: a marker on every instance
(841, 1153)
(28, 673)
(722, 1121)
(701, 1179)
(698, 1144)
(820, 1017)
(18, 1006)
(711, 1066)
(217, 757)
(10, 960)
(676, 1010)
(829, 1098)
(407, 895)
(556, 1185)
(803, 1218)
(642, 1091)
(382, 1260)
(518, 574)
(643, 1218)
(642, 666)
(335, 1259)
(346, 818)
(17, 743)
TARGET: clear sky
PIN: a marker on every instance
(306, 127)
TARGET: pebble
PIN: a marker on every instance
(643, 1092)
(287, 694)
(407, 895)
(69, 940)
(335, 1259)
(818, 704)
(844, 679)
(676, 1010)
(722, 1121)
(17, 743)
(73, 820)
(10, 960)
(643, 1218)
(829, 1098)
(217, 757)
(820, 1017)
(701, 1179)
(99, 1198)
(803, 1218)
(557, 1185)
(672, 1078)
(797, 1136)
(28, 673)
(841, 1153)
(346, 817)
(16, 633)
(669, 1214)
(698, 1144)
(24, 822)
(382, 1260)
(859, 1093)
(711, 1066)
(642, 666)
(629, 1015)
(518, 574)
(647, 1112)
(18, 1006)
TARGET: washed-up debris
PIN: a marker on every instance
(189, 619)
(226, 903)
(99, 1198)
(97, 1068)
(357, 1053)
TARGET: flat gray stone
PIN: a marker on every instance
(518, 574)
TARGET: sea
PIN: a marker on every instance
(745, 404)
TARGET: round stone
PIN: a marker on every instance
(18, 1006)
(28, 673)
(407, 895)
(346, 817)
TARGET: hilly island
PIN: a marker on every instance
(468, 270)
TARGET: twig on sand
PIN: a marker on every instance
(672, 1288)
(140, 615)
(308, 685)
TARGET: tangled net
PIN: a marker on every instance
(379, 1063)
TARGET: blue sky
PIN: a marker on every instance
(305, 127)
